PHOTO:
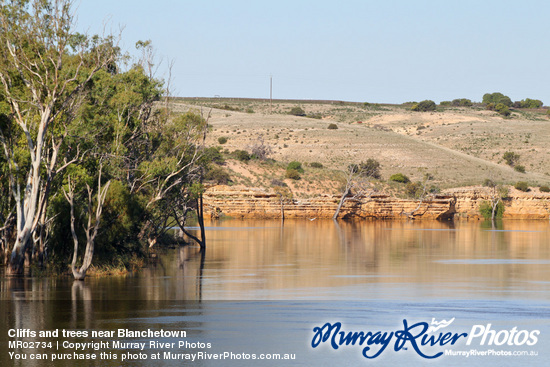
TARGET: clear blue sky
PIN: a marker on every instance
(376, 51)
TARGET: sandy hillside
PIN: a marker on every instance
(457, 146)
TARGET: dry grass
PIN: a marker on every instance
(457, 146)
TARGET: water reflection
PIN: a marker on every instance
(387, 267)
(323, 260)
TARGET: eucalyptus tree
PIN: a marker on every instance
(45, 68)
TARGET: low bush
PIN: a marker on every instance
(277, 182)
(424, 106)
(414, 189)
(294, 165)
(462, 102)
(241, 155)
(292, 174)
(316, 165)
(544, 188)
(222, 140)
(519, 168)
(332, 126)
(399, 177)
(503, 110)
(511, 158)
(217, 175)
(297, 111)
(522, 186)
(370, 168)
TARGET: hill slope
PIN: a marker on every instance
(457, 146)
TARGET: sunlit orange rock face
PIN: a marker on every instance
(242, 202)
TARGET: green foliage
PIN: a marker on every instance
(332, 127)
(522, 186)
(217, 175)
(212, 155)
(544, 188)
(424, 106)
(445, 103)
(241, 155)
(528, 103)
(503, 109)
(496, 98)
(370, 168)
(462, 102)
(222, 140)
(511, 158)
(414, 189)
(486, 210)
(294, 165)
(519, 168)
(316, 165)
(316, 115)
(297, 111)
(292, 174)
(399, 177)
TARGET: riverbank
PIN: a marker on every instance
(244, 202)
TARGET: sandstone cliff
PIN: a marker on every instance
(242, 202)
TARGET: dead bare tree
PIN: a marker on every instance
(358, 183)
(418, 190)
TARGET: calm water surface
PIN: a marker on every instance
(261, 287)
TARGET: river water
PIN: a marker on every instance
(262, 287)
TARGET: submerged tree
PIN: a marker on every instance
(45, 69)
(90, 229)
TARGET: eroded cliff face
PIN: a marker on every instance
(518, 204)
(242, 202)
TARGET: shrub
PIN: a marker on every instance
(332, 126)
(276, 182)
(520, 168)
(218, 175)
(297, 166)
(489, 183)
(241, 155)
(511, 158)
(496, 98)
(222, 140)
(424, 106)
(261, 150)
(445, 103)
(522, 186)
(414, 189)
(213, 154)
(503, 109)
(544, 188)
(293, 174)
(462, 102)
(528, 103)
(297, 111)
(316, 165)
(399, 177)
(370, 168)
(486, 209)
(316, 115)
